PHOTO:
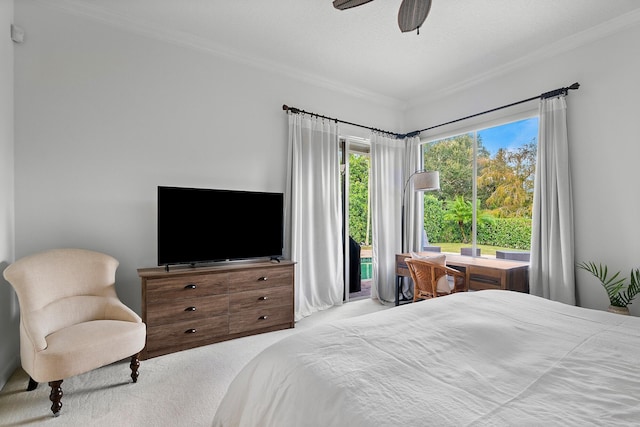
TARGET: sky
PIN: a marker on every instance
(513, 134)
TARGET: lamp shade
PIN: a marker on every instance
(426, 181)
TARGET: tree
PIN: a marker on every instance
(359, 226)
(508, 179)
(453, 158)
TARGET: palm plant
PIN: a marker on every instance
(461, 211)
(620, 295)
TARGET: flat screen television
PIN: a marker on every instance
(198, 225)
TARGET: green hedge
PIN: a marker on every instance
(504, 232)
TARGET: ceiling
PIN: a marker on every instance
(362, 49)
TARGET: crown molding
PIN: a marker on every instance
(202, 44)
(567, 44)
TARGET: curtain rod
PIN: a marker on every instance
(550, 94)
(295, 110)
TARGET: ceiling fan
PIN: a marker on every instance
(411, 15)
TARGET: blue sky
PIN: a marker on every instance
(509, 135)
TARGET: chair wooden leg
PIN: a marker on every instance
(32, 384)
(55, 397)
(134, 365)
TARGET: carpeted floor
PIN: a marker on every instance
(180, 389)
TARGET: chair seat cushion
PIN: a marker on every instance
(82, 347)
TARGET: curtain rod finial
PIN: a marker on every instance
(294, 110)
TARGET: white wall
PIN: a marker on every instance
(604, 144)
(9, 313)
(104, 116)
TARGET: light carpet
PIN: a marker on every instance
(179, 389)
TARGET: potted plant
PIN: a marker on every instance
(620, 295)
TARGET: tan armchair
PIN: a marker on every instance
(431, 279)
(71, 320)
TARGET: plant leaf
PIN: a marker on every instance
(613, 285)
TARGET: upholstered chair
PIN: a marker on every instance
(71, 320)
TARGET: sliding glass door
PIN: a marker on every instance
(355, 160)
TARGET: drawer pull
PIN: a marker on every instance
(262, 318)
(191, 331)
(263, 298)
(262, 279)
(190, 286)
(190, 309)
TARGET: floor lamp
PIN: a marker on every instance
(422, 181)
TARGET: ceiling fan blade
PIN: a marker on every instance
(348, 4)
(412, 14)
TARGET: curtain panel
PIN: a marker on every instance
(414, 204)
(552, 272)
(313, 214)
(386, 183)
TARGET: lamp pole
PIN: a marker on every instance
(427, 181)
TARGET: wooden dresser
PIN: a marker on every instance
(187, 307)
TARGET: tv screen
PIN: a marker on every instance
(197, 225)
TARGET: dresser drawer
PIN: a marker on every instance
(182, 334)
(260, 278)
(260, 299)
(194, 286)
(170, 310)
(256, 319)
(486, 278)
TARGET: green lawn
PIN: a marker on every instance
(484, 249)
(455, 248)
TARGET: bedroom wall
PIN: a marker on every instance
(105, 114)
(604, 143)
(9, 314)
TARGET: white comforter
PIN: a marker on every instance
(489, 358)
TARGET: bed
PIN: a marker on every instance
(488, 358)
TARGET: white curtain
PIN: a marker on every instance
(313, 214)
(386, 182)
(414, 205)
(552, 273)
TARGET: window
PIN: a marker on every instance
(486, 190)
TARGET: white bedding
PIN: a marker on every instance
(489, 358)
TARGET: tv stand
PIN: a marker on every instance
(275, 260)
(193, 306)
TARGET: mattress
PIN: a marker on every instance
(487, 358)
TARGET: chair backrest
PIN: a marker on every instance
(430, 278)
(45, 277)
(425, 274)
